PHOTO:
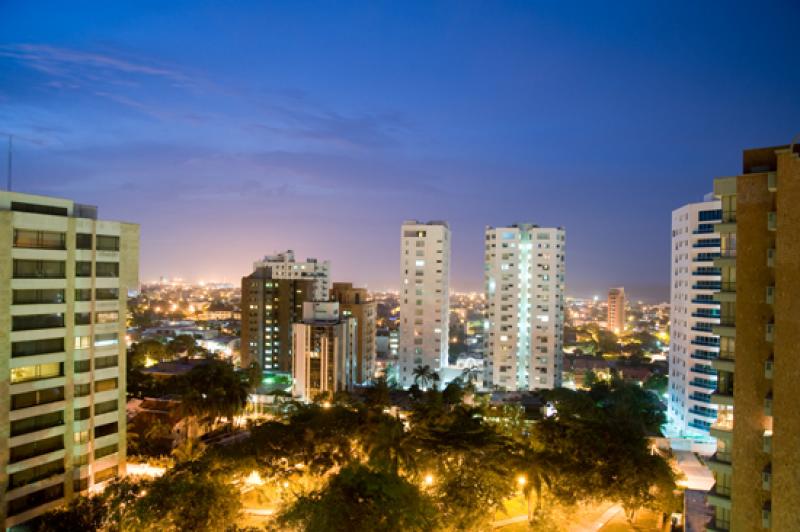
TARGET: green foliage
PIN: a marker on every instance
(182, 345)
(212, 391)
(657, 383)
(360, 499)
(147, 349)
(187, 498)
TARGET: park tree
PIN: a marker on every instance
(358, 498)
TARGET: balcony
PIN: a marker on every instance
(706, 341)
(706, 285)
(728, 223)
(700, 397)
(726, 327)
(703, 370)
(706, 384)
(707, 243)
(771, 258)
(768, 405)
(703, 327)
(770, 295)
(768, 367)
(709, 313)
(699, 354)
(766, 515)
(704, 270)
(768, 441)
(705, 257)
(720, 397)
(769, 335)
(718, 525)
(722, 430)
(720, 462)
(724, 363)
(719, 496)
(766, 478)
(704, 412)
(700, 425)
(705, 300)
(772, 221)
(772, 181)
(726, 293)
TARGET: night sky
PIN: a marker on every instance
(230, 130)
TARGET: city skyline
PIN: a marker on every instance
(599, 119)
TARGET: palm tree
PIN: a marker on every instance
(389, 446)
(423, 375)
(536, 471)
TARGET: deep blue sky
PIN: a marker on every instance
(233, 129)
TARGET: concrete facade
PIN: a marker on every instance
(693, 314)
(285, 266)
(358, 303)
(424, 297)
(64, 281)
(757, 465)
(524, 281)
(615, 319)
(325, 352)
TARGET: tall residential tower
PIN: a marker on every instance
(64, 281)
(693, 314)
(615, 319)
(757, 463)
(424, 297)
(524, 267)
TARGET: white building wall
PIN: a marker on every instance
(424, 297)
(694, 280)
(524, 278)
(284, 266)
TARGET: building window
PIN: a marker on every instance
(105, 474)
(36, 448)
(106, 362)
(37, 321)
(37, 347)
(83, 318)
(37, 397)
(103, 340)
(105, 430)
(37, 498)
(38, 297)
(83, 268)
(24, 238)
(105, 385)
(39, 269)
(83, 241)
(107, 269)
(82, 390)
(107, 243)
(83, 342)
(35, 474)
(83, 366)
(105, 407)
(35, 423)
(105, 451)
(106, 294)
(37, 372)
(83, 294)
(106, 317)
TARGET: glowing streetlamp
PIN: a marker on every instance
(428, 480)
(521, 480)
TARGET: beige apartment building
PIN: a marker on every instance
(357, 303)
(616, 310)
(64, 280)
(757, 463)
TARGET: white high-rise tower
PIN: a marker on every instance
(525, 306)
(693, 313)
(424, 297)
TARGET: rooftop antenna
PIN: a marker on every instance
(10, 147)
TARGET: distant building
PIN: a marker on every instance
(693, 314)
(757, 463)
(64, 281)
(284, 266)
(270, 306)
(325, 351)
(524, 281)
(425, 297)
(616, 310)
(357, 302)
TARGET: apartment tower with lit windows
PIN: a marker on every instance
(424, 297)
(524, 281)
(615, 319)
(757, 463)
(64, 281)
(694, 312)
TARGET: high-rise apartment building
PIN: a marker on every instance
(270, 306)
(357, 303)
(424, 297)
(325, 352)
(64, 280)
(284, 266)
(757, 463)
(616, 310)
(524, 278)
(693, 314)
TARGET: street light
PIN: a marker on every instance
(521, 480)
(428, 479)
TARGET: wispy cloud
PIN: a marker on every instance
(61, 62)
